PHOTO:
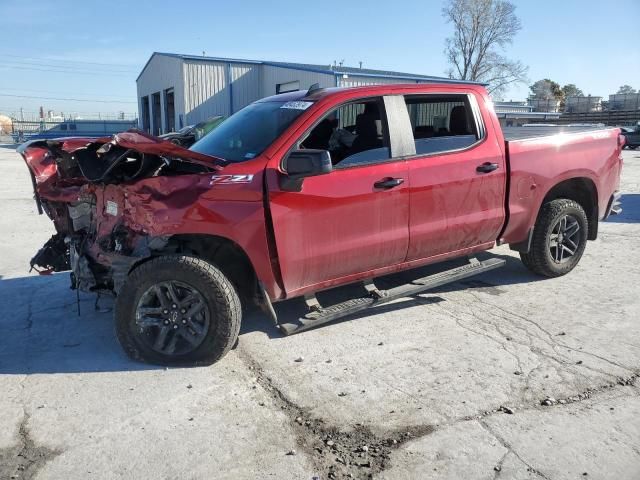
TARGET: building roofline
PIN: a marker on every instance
(306, 68)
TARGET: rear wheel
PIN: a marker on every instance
(177, 310)
(559, 239)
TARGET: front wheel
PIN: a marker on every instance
(177, 310)
(559, 239)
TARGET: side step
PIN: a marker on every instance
(319, 315)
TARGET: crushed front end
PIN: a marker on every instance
(98, 192)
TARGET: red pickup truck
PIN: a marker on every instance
(304, 191)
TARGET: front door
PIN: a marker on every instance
(354, 219)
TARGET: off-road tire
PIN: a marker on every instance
(539, 259)
(219, 295)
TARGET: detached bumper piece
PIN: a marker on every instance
(615, 205)
(319, 315)
(52, 257)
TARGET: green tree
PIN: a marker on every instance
(570, 90)
(625, 89)
(482, 30)
(546, 89)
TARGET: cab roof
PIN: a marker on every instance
(319, 93)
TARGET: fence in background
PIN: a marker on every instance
(25, 130)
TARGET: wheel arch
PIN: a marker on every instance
(581, 190)
(220, 251)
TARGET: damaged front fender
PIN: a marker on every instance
(97, 192)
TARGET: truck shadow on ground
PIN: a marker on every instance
(630, 209)
(513, 273)
(42, 332)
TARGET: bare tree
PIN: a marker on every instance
(482, 30)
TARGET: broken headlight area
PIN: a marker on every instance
(52, 257)
(100, 266)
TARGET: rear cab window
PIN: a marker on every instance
(442, 123)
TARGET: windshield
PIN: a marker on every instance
(247, 133)
(201, 129)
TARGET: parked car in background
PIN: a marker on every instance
(631, 136)
(190, 134)
(282, 200)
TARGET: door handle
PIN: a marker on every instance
(387, 183)
(487, 167)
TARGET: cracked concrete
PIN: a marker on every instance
(24, 460)
(420, 383)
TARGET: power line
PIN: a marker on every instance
(113, 74)
(70, 67)
(22, 90)
(65, 99)
(69, 61)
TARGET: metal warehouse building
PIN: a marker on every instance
(178, 90)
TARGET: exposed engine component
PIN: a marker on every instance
(97, 192)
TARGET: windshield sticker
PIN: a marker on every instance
(297, 105)
(249, 155)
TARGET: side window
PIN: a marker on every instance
(63, 127)
(354, 134)
(441, 123)
(72, 126)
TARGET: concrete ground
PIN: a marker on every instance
(446, 385)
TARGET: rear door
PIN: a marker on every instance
(354, 219)
(457, 176)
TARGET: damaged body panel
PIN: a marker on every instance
(116, 202)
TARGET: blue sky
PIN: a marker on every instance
(45, 43)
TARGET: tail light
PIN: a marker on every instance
(621, 140)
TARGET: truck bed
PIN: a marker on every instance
(541, 157)
(523, 133)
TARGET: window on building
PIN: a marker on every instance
(144, 113)
(156, 114)
(288, 87)
(441, 123)
(354, 134)
(169, 110)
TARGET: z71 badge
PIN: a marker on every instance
(226, 179)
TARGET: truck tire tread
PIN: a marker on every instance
(538, 259)
(214, 286)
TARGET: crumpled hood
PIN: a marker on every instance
(124, 157)
(145, 143)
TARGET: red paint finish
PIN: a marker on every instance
(339, 228)
(340, 224)
(539, 164)
(452, 205)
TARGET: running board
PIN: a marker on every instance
(320, 315)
